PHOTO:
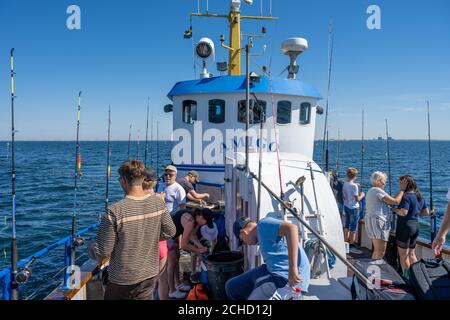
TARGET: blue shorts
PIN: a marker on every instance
(351, 219)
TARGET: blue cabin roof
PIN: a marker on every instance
(229, 84)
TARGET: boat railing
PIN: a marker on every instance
(6, 274)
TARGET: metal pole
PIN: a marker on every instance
(14, 253)
(247, 105)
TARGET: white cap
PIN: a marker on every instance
(209, 234)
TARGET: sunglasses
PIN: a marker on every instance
(169, 174)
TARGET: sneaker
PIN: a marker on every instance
(177, 294)
(183, 287)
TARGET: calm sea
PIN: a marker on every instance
(45, 189)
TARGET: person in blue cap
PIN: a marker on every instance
(285, 261)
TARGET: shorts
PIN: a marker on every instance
(173, 244)
(162, 249)
(351, 219)
(407, 233)
(377, 227)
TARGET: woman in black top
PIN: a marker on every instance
(185, 222)
(407, 232)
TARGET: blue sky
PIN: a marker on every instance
(129, 50)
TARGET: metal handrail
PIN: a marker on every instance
(321, 239)
(5, 274)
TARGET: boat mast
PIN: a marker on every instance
(234, 47)
(14, 254)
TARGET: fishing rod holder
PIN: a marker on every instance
(25, 273)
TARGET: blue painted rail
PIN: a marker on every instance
(5, 274)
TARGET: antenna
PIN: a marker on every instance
(293, 47)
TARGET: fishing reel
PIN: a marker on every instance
(78, 242)
(23, 276)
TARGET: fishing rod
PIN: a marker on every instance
(14, 253)
(261, 126)
(146, 134)
(330, 63)
(76, 241)
(327, 157)
(157, 149)
(362, 152)
(433, 222)
(338, 150)
(388, 154)
(108, 161)
(129, 142)
(138, 138)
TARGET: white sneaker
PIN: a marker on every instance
(183, 287)
(177, 295)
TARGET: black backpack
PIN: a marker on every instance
(430, 279)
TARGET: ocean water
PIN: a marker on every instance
(45, 195)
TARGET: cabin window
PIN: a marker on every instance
(189, 111)
(255, 117)
(305, 113)
(284, 111)
(216, 111)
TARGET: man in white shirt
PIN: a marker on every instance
(352, 197)
(439, 242)
(175, 196)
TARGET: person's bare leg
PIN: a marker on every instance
(404, 258)
(163, 286)
(412, 258)
(351, 237)
(379, 249)
(177, 268)
(172, 265)
(346, 234)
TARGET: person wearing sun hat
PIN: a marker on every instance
(285, 260)
(187, 183)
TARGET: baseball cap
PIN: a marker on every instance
(208, 233)
(238, 225)
(171, 168)
(195, 175)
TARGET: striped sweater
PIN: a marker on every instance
(130, 233)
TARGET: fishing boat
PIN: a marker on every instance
(268, 172)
